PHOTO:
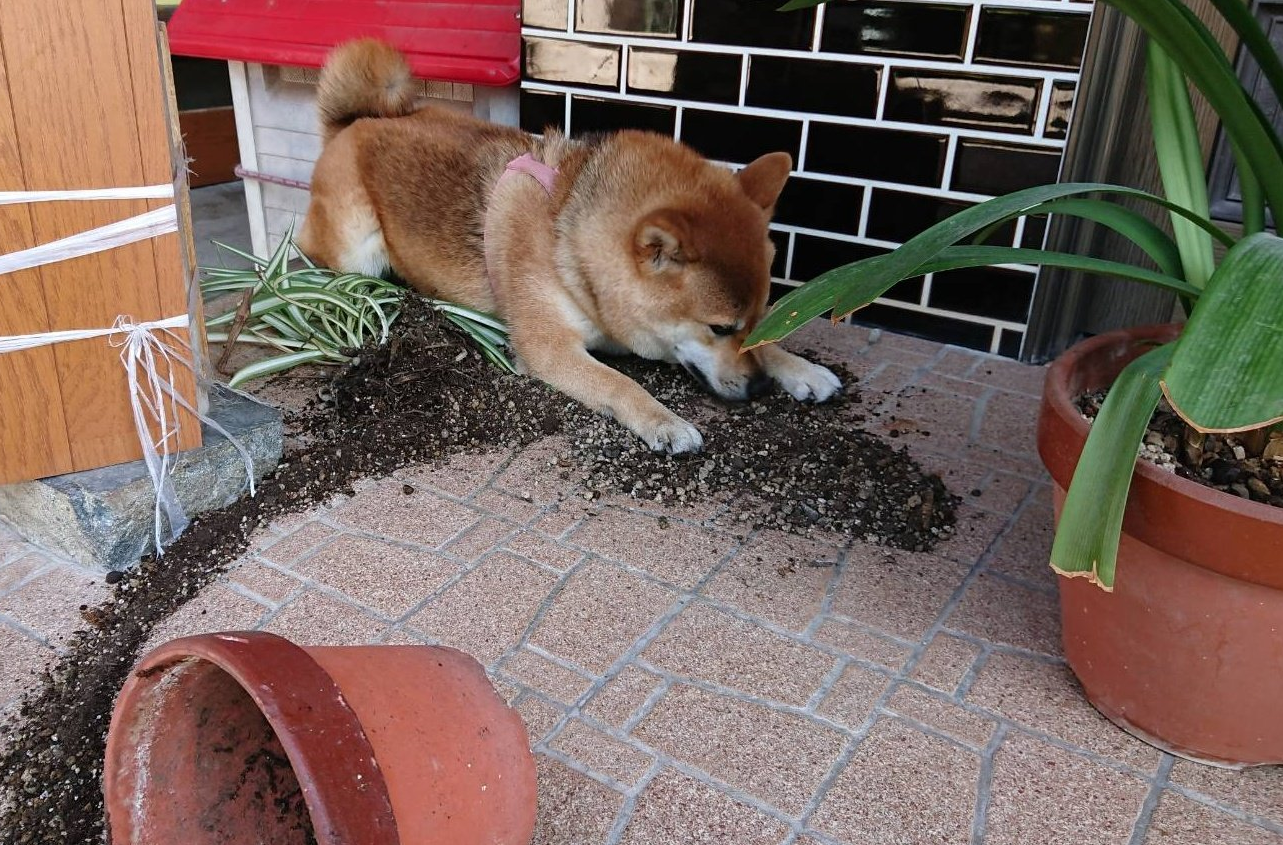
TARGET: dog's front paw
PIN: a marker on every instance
(674, 436)
(808, 382)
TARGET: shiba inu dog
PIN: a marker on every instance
(629, 242)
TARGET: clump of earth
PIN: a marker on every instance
(424, 396)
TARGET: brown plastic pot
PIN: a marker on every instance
(239, 738)
(1187, 651)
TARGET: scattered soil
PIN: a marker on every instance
(1224, 462)
(423, 397)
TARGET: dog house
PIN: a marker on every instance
(465, 55)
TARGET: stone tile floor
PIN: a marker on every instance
(685, 679)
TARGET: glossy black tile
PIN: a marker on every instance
(651, 18)
(807, 85)
(550, 60)
(1062, 109)
(1031, 37)
(890, 155)
(984, 291)
(540, 111)
(588, 114)
(995, 168)
(779, 264)
(896, 216)
(999, 103)
(546, 14)
(201, 83)
(900, 29)
(751, 23)
(691, 76)
(1035, 233)
(929, 326)
(820, 205)
(1009, 343)
(739, 138)
(778, 291)
(813, 255)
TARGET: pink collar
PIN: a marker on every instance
(527, 163)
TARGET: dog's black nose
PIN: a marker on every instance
(760, 385)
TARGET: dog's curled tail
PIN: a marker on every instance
(364, 78)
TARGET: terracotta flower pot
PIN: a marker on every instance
(245, 737)
(1187, 651)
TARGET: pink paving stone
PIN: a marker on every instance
(558, 519)
(946, 384)
(506, 505)
(540, 717)
(858, 642)
(271, 585)
(903, 787)
(675, 809)
(851, 700)
(1011, 375)
(21, 569)
(1044, 794)
(420, 517)
(619, 699)
(316, 619)
(11, 545)
(541, 549)
(599, 614)
(487, 610)
(943, 715)
(460, 476)
(707, 644)
(50, 602)
(297, 543)
(574, 809)
(974, 532)
(23, 660)
(884, 378)
(956, 362)
(388, 579)
(780, 758)
(1010, 422)
(681, 554)
(552, 679)
(778, 577)
(215, 609)
(481, 539)
(1006, 613)
(945, 662)
(901, 593)
(534, 470)
(1178, 820)
(1026, 464)
(933, 419)
(1258, 791)
(602, 753)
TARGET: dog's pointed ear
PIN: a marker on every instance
(764, 178)
(662, 241)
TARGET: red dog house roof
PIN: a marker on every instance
(477, 42)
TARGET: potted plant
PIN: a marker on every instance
(1185, 648)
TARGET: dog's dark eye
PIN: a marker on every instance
(723, 331)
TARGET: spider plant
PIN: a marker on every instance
(1224, 374)
(314, 315)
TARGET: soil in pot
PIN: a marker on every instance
(423, 397)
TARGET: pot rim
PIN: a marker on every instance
(343, 786)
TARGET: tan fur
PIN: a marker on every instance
(642, 247)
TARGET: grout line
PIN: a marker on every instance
(984, 785)
(1140, 829)
(1230, 810)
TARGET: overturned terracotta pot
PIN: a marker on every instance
(1186, 652)
(245, 737)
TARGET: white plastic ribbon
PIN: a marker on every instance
(150, 224)
(146, 192)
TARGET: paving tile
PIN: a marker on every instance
(622, 696)
(14, 573)
(600, 612)
(422, 517)
(1011, 375)
(558, 519)
(947, 384)
(487, 611)
(1010, 421)
(316, 619)
(974, 531)
(1047, 698)
(1025, 464)
(386, 578)
(541, 549)
(1178, 820)
(1258, 790)
(681, 553)
(904, 787)
(1004, 491)
(23, 660)
(508, 506)
(932, 419)
(945, 662)
(214, 609)
(482, 538)
(1044, 794)
(858, 642)
(298, 542)
(533, 472)
(778, 757)
(460, 476)
(11, 545)
(552, 679)
(540, 717)
(945, 716)
(574, 809)
(775, 576)
(1025, 551)
(708, 644)
(601, 752)
(678, 810)
(289, 522)
(50, 603)
(1006, 613)
(956, 362)
(901, 593)
(851, 700)
(270, 584)
(885, 378)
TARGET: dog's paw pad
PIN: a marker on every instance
(675, 436)
(810, 382)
